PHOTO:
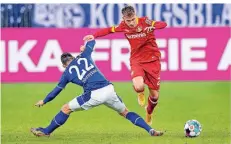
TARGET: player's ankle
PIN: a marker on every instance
(151, 132)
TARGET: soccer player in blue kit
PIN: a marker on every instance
(82, 71)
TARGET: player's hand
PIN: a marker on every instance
(149, 29)
(82, 48)
(88, 38)
(39, 103)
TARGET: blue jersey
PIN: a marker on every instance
(81, 71)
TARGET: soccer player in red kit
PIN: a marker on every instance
(145, 55)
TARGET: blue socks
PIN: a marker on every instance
(58, 120)
(138, 121)
(61, 118)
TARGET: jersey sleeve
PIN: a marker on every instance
(61, 85)
(89, 48)
(119, 28)
(109, 30)
(63, 82)
(156, 24)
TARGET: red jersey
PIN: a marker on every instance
(143, 43)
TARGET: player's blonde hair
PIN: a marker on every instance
(128, 11)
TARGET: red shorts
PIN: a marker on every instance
(150, 71)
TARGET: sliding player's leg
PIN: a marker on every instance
(77, 104)
(114, 102)
(56, 122)
(137, 74)
(86, 101)
(139, 121)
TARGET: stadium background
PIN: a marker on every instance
(196, 48)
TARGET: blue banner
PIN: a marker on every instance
(104, 15)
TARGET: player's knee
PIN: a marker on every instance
(124, 113)
(154, 94)
(139, 88)
(66, 109)
(138, 84)
(155, 97)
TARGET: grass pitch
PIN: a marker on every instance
(207, 102)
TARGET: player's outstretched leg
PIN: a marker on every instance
(56, 122)
(152, 102)
(139, 121)
(138, 85)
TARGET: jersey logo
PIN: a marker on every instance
(139, 29)
(81, 72)
(147, 21)
(138, 35)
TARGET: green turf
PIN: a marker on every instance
(208, 102)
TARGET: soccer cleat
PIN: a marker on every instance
(148, 118)
(152, 132)
(141, 99)
(39, 132)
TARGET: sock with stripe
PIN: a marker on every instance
(57, 121)
(152, 102)
(138, 121)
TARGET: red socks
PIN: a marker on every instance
(151, 104)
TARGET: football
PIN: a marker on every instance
(192, 128)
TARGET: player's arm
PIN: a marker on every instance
(155, 24)
(104, 32)
(61, 85)
(107, 31)
(159, 24)
(89, 47)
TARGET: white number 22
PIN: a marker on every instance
(83, 71)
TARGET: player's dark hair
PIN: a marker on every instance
(65, 57)
(128, 11)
